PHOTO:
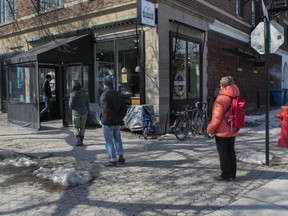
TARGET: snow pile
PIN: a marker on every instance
(64, 176)
(15, 159)
(274, 127)
(252, 157)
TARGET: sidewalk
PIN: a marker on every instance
(270, 199)
(161, 177)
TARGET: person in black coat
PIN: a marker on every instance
(47, 97)
(113, 110)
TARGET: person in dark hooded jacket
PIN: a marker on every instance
(79, 104)
(113, 110)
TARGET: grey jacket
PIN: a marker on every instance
(79, 102)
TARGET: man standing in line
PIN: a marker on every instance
(113, 110)
(47, 97)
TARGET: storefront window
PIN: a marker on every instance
(77, 73)
(119, 58)
(21, 84)
(185, 69)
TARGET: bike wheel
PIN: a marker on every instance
(199, 123)
(181, 128)
(145, 133)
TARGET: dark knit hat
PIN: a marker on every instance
(108, 80)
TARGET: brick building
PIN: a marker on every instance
(177, 61)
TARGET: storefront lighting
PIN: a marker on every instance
(124, 70)
(137, 69)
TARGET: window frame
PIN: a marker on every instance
(240, 8)
(189, 93)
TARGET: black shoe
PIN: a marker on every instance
(111, 164)
(220, 178)
(121, 160)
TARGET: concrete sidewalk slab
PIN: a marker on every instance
(267, 200)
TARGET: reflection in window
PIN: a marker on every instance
(7, 10)
(75, 74)
(49, 4)
(119, 57)
(21, 84)
(186, 70)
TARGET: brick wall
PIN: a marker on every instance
(222, 63)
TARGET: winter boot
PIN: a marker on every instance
(81, 139)
(78, 142)
(121, 159)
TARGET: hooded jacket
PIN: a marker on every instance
(113, 108)
(79, 102)
(218, 124)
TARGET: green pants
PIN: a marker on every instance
(79, 123)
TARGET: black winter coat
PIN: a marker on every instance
(113, 108)
(47, 89)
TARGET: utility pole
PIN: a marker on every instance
(267, 52)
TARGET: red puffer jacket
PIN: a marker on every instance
(218, 124)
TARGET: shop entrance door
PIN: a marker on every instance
(54, 101)
(185, 74)
(72, 74)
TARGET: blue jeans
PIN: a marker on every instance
(46, 108)
(113, 141)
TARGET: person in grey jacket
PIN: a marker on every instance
(79, 104)
(113, 110)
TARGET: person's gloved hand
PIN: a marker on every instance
(210, 136)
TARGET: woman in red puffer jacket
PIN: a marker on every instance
(218, 127)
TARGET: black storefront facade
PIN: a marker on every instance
(66, 60)
(84, 58)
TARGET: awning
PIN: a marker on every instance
(64, 50)
(249, 54)
(186, 25)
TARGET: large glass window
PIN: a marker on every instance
(49, 4)
(75, 74)
(119, 58)
(7, 10)
(185, 69)
(21, 85)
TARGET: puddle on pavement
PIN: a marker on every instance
(15, 175)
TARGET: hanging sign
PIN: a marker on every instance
(146, 13)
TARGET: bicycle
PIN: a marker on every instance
(149, 127)
(194, 119)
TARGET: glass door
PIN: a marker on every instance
(73, 74)
(185, 74)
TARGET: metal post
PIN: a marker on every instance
(267, 51)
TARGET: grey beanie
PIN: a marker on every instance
(108, 80)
